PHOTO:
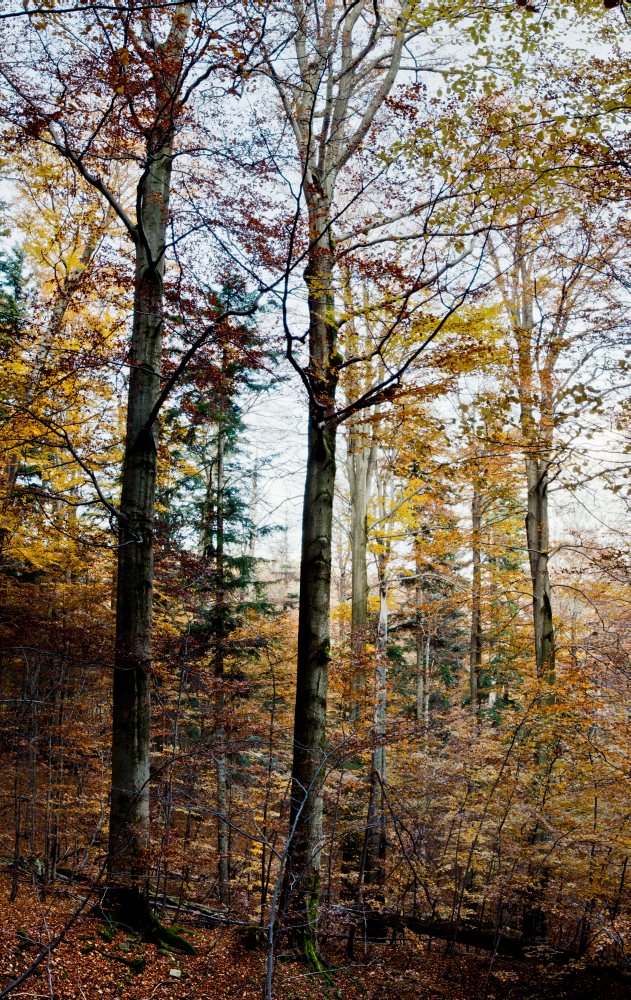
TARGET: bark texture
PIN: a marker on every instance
(475, 640)
(223, 829)
(302, 872)
(360, 462)
(538, 536)
(375, 847)
(341, 76)
(129, 805)
(129, 809)
(534, 377)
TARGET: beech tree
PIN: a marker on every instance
(344, 67)
(123, 94)
(551, 293)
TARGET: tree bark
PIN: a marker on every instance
(535, 389)
(375, 848)
(301, 885)
(419, 635)
(360, 463)
(223, 829)
(332, 64)
(475, 641)
(538, 537)
(302, 872)
(538, 439)
(129, 807)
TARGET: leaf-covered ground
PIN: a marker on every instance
(97, 962)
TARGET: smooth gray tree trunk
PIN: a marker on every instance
(372, 867)
(535, 390)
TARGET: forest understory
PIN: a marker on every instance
(97, 961)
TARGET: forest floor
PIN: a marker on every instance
(94, 962)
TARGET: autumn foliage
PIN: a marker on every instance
(383, 751)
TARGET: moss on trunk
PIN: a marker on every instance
(129, 908)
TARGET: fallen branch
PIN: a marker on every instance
(488, 939)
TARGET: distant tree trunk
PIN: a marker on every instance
(427, 669)
(537, 432)
(375, 849)
(358, 481)
(254, 502)
(538, 536)
(418, 631)
(475, 641)
(360, 462)
(422, 646)
(423, 665)
(360, 459)
(223, 829)
(372, 867)
(420, 673)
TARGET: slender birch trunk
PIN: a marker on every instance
(254, 503)
(427, 673)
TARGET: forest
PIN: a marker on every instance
(315, 611)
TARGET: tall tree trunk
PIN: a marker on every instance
(358, 481)
(538, 438)
(223, 831)
(538, 537)
(423, 674)
(129, 807)
(375, 844)
(360, 463)
(301, 885)
(475, 641)
(337, 66)
(254, 503)
(129, 803)
(427, 670)
(375, 850)
(302, 873)
(419, 636)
